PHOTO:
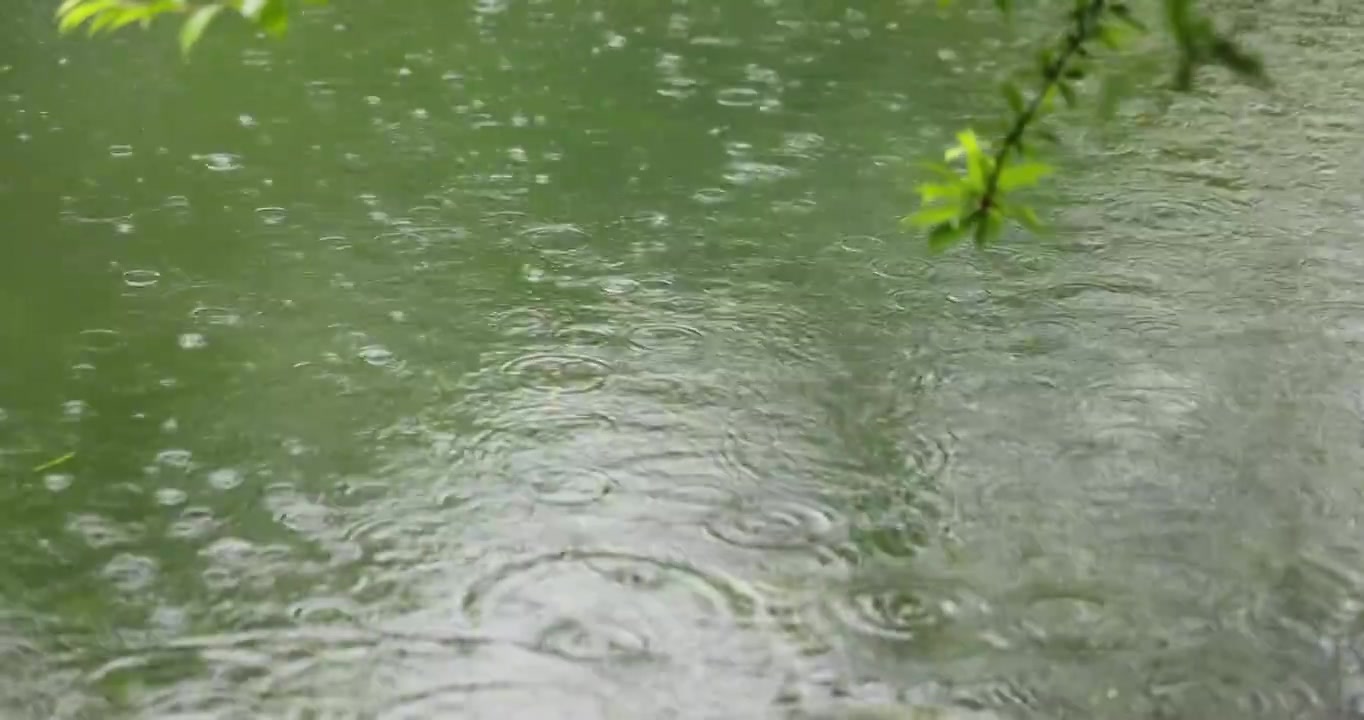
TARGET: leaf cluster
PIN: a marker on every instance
(97, 16)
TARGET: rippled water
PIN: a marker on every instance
(564, 360)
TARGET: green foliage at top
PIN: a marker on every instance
(973, 199)
(96, 16)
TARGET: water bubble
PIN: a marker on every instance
(271, 215)
(618, 285)
(586, 334)
(120, 151)
(901, 268)
(860, 243)
(75, 409)
(171, 496)
(710, 196)
(141, 278)
(210, 315)
(600, 605)
(175, 458)
(749, 172)
(225, 478)
(194, 523)
(98, 531)
(130, 573)
(658, 335)
(555, 230)
(100, 340)
(569, 486)
(781, 525)
(801, 144)
(737, 97)
(376, 355)
(221, 162)
(562, 372)
(891, 614)
(192, 341)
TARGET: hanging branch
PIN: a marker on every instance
(973, 200)
(1054, 75)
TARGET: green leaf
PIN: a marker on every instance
(68, 5)
(977, 163)
(194, 26)
(1021, 175)
(937, 192)
(933, 216)
(143, 15)
(1049, 99)
(77, 14)
(1027, 217)
(104, 19)
(945, 236)
(941, 170)
(273, 18)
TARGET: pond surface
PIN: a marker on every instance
(564, 359)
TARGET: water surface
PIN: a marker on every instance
(565, 360)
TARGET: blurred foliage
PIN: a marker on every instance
(971, 194)
(96, 16)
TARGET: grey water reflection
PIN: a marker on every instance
(564, 360)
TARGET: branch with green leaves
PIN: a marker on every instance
(97, 16)
(972, 194)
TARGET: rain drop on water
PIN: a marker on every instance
(221, 162)
(271, 215)
(225, 478)
(376, 355)
(141, 278)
